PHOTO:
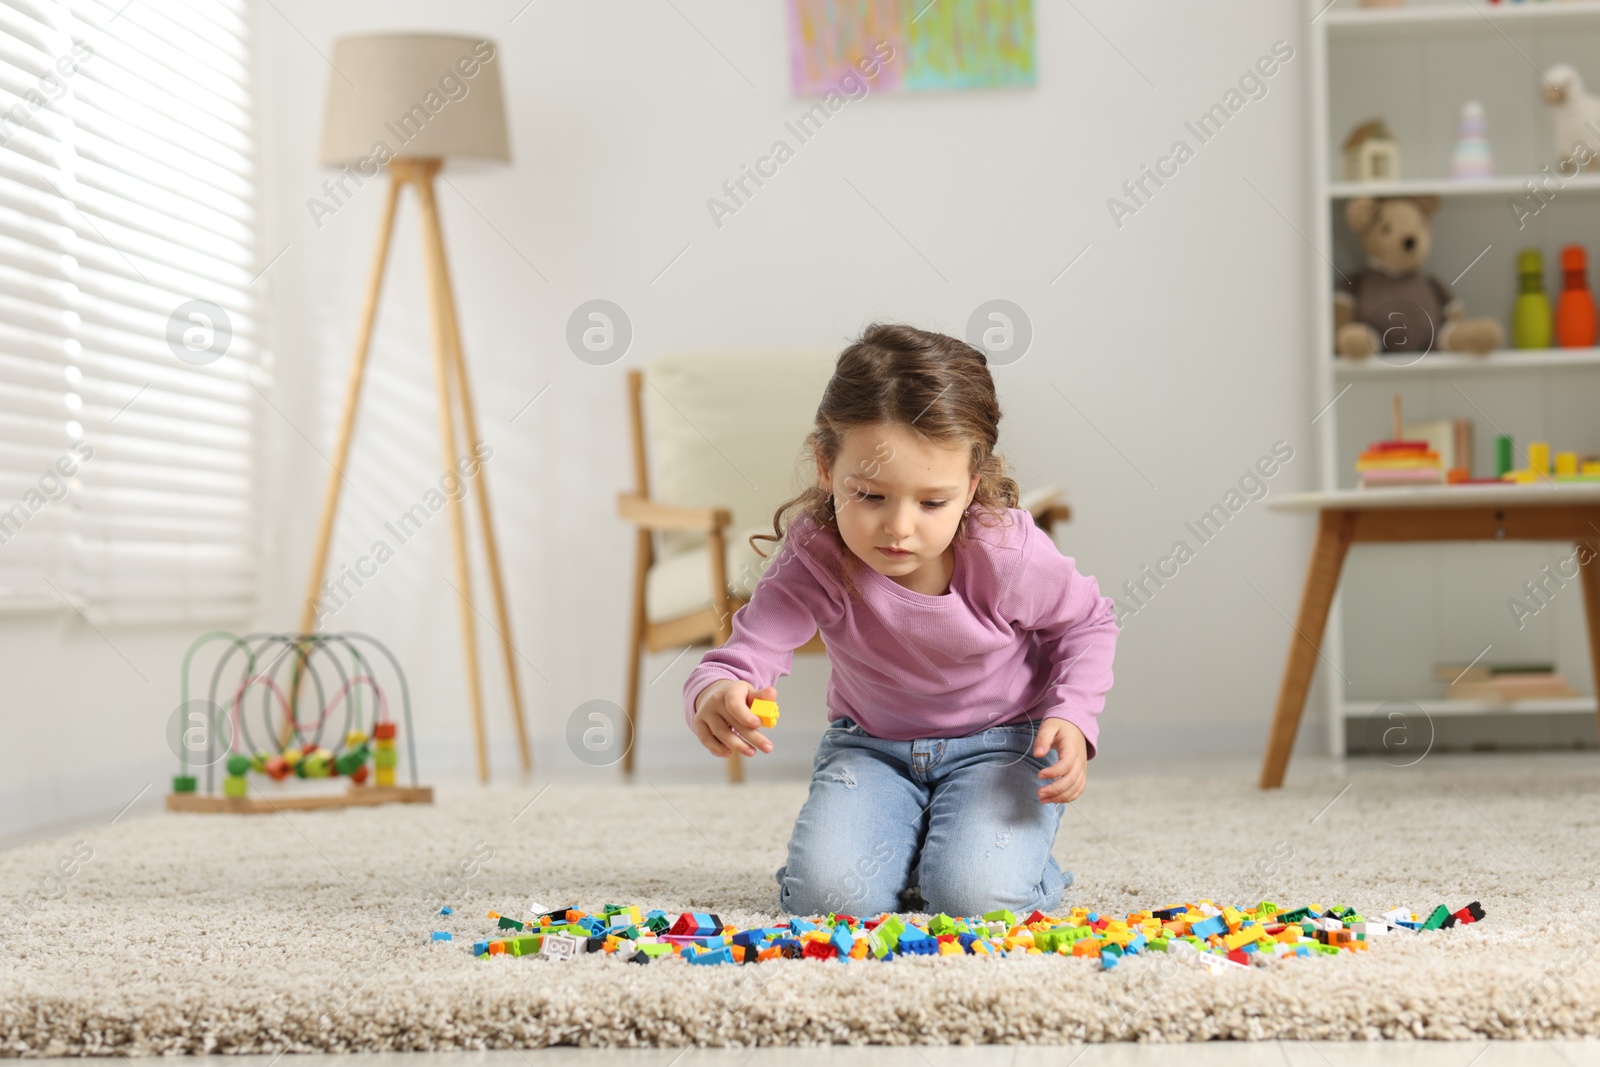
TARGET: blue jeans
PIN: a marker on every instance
(956, 818)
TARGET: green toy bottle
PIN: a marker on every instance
(1530, 319)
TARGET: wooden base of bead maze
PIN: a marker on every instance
(359, 796)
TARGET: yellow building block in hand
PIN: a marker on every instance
(766, 711)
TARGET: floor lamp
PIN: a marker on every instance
(405, 103)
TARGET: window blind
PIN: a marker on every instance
(128, 323)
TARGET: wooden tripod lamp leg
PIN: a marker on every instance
(438, 298)
(636, 623)
(643, 558)
(470, 423)
(341, 448)
(1334, 529)
(1589, 565)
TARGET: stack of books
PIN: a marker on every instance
(1452, 439)
(1503, 682)
(1387, 463)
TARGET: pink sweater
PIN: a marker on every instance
(1020, 635)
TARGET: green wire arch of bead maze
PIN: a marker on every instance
(183, 689)
(347, 641)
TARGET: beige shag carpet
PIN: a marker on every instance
(310, 931)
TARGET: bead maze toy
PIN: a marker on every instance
(290, 672)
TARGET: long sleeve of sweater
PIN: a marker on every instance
(1020, 635)
(788, 604)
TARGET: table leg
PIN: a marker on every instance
(1334, 530)
(1589, 564)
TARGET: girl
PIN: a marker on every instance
(964, 649)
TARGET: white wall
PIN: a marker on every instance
(1179, 337)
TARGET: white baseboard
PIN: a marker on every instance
(40, 809)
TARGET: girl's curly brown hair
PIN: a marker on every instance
(936, 385)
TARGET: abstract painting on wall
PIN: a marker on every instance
(932, 44)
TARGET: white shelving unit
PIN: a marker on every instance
(1355, 708)
(1498, 187)
(1347, 21)
(1503, 362)
(1401, 608)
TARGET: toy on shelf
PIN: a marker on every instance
(1391, 305)
(1371, 154)
(1504, 682)
(1575, 313)
(1569, 466)
(1200, 934)
(1399, 462)
(310, 719)
(766, 711)
(1472, 158)
(1531, 319)
(1439, 451)
(1577, 114)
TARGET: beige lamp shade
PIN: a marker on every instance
(413, 95)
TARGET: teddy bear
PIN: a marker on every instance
(1391, 305)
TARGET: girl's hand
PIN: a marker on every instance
(1071, 771)
(724, 722)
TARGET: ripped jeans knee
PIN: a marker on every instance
(842, 775)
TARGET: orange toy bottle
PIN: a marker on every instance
(1576, 323)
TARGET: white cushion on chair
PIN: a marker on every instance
(724, 429)
(680, 584)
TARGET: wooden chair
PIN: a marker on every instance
(723, 430)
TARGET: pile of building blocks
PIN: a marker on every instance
(1202, 933)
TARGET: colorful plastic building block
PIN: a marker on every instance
(766, 711)
(560, 947)
(697, 924)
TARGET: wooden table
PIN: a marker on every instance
(1543, 512)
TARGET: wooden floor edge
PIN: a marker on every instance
(358, 797)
